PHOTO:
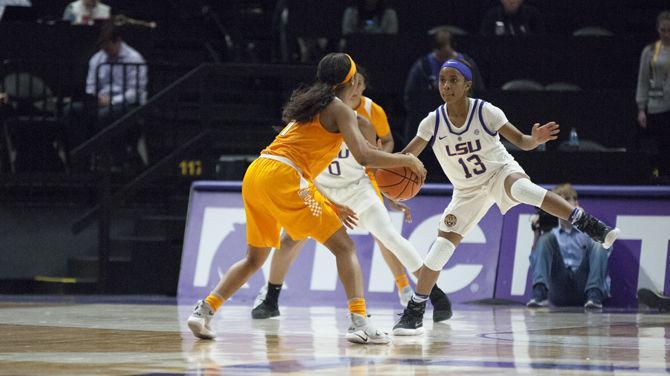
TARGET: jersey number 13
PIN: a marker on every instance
(474, 160)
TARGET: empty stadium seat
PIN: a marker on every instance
(522, 84)
(592, 31)
(562, 86)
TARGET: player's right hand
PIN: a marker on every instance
(346, 214)
(417, 167)
(399, 206)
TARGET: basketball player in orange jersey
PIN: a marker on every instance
(345, 182)
(278, 191)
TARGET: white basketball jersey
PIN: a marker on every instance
(342, 171)
(472, 154)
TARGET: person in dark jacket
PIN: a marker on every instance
(512, 17)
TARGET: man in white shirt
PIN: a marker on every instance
(86, 12)
(116, 81)
(106, 77)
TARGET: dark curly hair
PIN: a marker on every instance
(307, 101)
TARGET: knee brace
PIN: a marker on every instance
(523, 190)
(440, 252)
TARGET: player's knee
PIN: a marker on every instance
(256, 260)
(340, 244)
(403, 250)
(523, 190)
(439, 254)
(390, 239)
(543, 244)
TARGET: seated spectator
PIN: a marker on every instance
(112, 86)
(653, 92)
(370, 16)
(568, 267)
(86, 12)
(115, 82)
(512, 17)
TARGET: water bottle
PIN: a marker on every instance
(574, 139)
(500, 28)
(369, 25)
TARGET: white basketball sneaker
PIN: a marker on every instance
(405, 295)
(261, 295)
(200, 319)
(361, 331)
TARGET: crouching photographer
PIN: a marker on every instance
(568, 268)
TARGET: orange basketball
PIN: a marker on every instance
(397, 183)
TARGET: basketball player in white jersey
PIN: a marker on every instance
(348, 185)
(464, 134)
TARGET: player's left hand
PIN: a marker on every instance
(399, 206)
(543, 133)
(346, 214)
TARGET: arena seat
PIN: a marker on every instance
(562, 86)
(592, 31)
(522, 84)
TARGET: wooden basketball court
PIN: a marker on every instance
(138, 336)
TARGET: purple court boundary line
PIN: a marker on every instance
(436, 189)
(92, 299)
(313, 364)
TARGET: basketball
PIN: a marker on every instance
(397, 183)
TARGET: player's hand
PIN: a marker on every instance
(416, 166)
(642, 119)
(543, 133)
(346, 214)
(399, 206)
(3, 98)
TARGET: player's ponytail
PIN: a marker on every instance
(333, 71)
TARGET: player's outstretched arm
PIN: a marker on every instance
(416, 146)
(540, 134)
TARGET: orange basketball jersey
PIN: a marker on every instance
(375, 114)
(310, 146)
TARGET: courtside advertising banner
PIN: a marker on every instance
(216, 238)
(491, 262)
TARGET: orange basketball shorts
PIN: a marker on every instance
(274, 199)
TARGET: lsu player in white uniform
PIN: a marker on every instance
(464, 134)
(353, 190)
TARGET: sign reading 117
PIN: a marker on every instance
(190, 167)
